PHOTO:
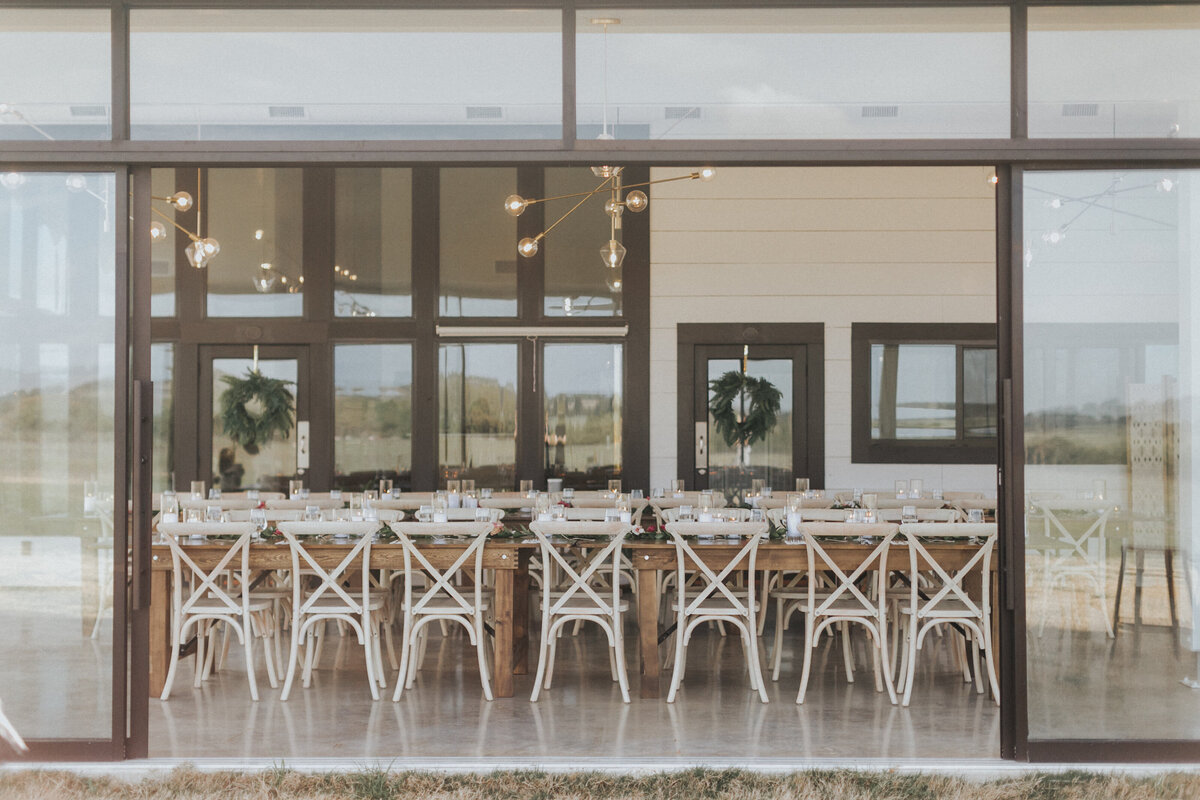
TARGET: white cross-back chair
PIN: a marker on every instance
(9, 734)
(211, 599)
(1071, 532)
(325, 502)
(844, 601)
(709, 596)
(362, 610)
(943, 599)
(578, 598)
(923, 514)
(659, 505)
(440, 599)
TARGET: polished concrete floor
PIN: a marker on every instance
(715, 716)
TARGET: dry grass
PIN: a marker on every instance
(284, 784)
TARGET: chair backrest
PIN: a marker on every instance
(273, 515)
(205, 584)
(613, 533)
(405, 501)
(886, 501)
(779, 515)
(299, 536)
(718, 514)
(948, 584)
(844, 587)
(226, 503)
(954, 497)
(704, 580)
(923, 514)
(684, 499)
(780, 500)
(439, 583)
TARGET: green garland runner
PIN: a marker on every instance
(278, 409)
(763, 406)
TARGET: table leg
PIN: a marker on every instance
(648, 630)
(521, 612)
(160, 630)
(502, 675)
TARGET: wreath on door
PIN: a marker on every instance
(255, 409)
(757, 396)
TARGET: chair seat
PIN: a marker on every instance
(848, 607)
(949, 609)
(217, 607)
(585, 605)
(335, 604)
(446, 606)
(715, 605)
(797, 593)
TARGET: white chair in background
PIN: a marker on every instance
(210, 600)
(844, 601)
(943, 600)
(363, 610)
(577, 599)
(709, 597)
(9, 734)
(440, 599)
(1074, 545)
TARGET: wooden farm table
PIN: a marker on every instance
(509, 558)
(650, 557)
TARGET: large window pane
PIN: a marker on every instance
(731, 469)
(478, 244)
(162, 373)
(1122, 71)
(57, 412)
(578, 284)
(162, 245)
(583, 409)
(980, 412)
(56, 70)
(345, 74)
(372, 239)
(372, 415)
(477, 413)
(1111, 367)
(272, 464)
(257, 217)
(913, 391)
(794, 73)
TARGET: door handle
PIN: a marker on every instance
(301, 445)
(702, 447)
(143, 421)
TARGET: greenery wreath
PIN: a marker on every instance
(276, 417)
(763, 406)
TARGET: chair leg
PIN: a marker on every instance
(405, 654)
(975, 646)
(481, 645)
(201, 653)
(881, 662)
(809, 644)
(293, 657)
(553, 654)
(777, 649)
(312, 651)
(680, 661)
(1116, 620)
(543, 653)
(612, 660)
(619, 648)
(755, 664)
(766, 586)
(1169, 563)
(876, 664)
(248, 647)
(369, 655)
(911, 658)
(847, 654)
(175, 635)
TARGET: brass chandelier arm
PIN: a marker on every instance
(694, 176)
(596, 191)
(585, 195)
(184, 230)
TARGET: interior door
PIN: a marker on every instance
(234, 466)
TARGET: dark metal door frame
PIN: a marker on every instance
(804, 342)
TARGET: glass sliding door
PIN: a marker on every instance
(477, 413)
(582, 388)
(59, 421)
(1112, 452)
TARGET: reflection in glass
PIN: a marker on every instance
(57, 414)
(913, 391)
(57, 81)
(1111, 305)
(162, 373)
(582, 384)
(794, 73)
(478, 244)
(163, 183)
(770, 458)
(233, 469)
(372, 415)
(980, 413)
(372, 240)
(477, 414)
(576, 280)
(257, 216)
(442, 74)
(1117, 71)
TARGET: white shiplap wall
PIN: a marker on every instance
(831, 245)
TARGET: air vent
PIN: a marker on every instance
(286, 112)
(484, 112)
(89, 111)
(682, 112)
(880, 111)
(1080, 109)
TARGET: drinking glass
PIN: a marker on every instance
(312, 513)
(795, 502)
(542, 503)
(858, 493)
(369, 497)
(197, 490)
(453, 486)
(294, 488)
(470, 499)
(440, 504)
(341, 514)
(468, 485)
(252, 494)
(425, 514)
(527, 487)
(915, 487)
(623, 508)
(168, 507)
(212, 513)
(766, 491)
(612, 515)
(975, 515)
(677, 485)
(385, 486)
(901, 490)
(908, 514)
(614, 486)
(937, 494)
(706, 501)
(485, 493)
(558, 513)
(335, 494)
(483, 515)
(685, 513)
(801, 484)
(1099, 488)
(258, 516)
(756, 485)
(657, 491)
(90, 490)
(870, 500)
(304, 493)
(371, 514)
(568, 493)
(214, 493)
(356, 506)
(193, 515)
(756, 515)
(637, 494)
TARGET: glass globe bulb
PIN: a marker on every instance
(613, 254)
(76, 183)
(195, 255)
(637, 201)
(615, 283)
(614, 208)
(211, 247)
(264, 281)
(515, 205)
(158, 231)
(11, 180)
(182, 201)
(707, 174)
(606, 171)
(527, 247)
